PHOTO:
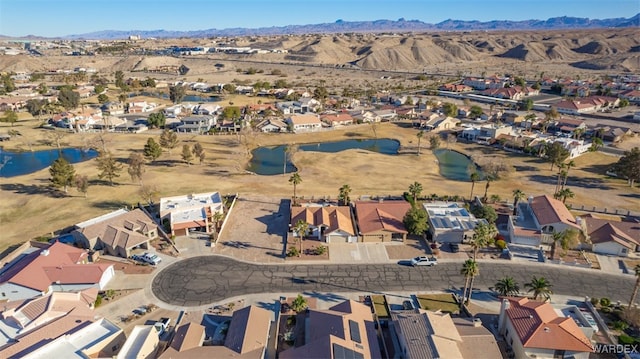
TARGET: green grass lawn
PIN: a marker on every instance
(442, 302)
(380, 306)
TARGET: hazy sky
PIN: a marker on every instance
(66, 17)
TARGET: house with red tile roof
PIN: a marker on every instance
(59, 267)
(536, 329)
(612, 237)
(331, 224)
(381, 221)
(346, 330)
(537, 219)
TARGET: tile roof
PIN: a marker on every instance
(538, 326)
(248, 330)
(549, 210)
(381, 216)
(332, 217)
(123, 229)
(603, 230)
(330, 330)
(58, 263)
(188, 336)
(304, 119)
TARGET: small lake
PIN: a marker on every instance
(272, 161)
(21, 163)
(454, 165)
(186, 98)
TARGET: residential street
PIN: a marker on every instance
(203, 280)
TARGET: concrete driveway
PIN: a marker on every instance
(612, 264)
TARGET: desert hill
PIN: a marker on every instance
(615, 50)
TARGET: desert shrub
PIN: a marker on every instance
(605, 302)
(595, 301)
(320, 250)
(291, 321)
(293, 252)
(620, 325)
(606, 310)
(98, 301)
(501, 244)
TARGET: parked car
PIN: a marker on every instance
(424, 261)
(455, 248)
(138, 258)
(140, 311)
(151, 258)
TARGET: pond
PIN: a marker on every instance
(186, 98)
(272, 161)
(455, 165)
(21, 163)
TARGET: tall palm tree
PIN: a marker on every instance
(483, 235)
(469, 271)
(540, 287)
(295, 180)
(474, 177)
(634, 293)
(567, 166)
(415, 189)
(564, 194)
(419, 135)
(489, 178)
(343, 196)
(507, 287)
(518, 195)
(217, 217)
(301, 227)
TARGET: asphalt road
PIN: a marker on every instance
(203, 280)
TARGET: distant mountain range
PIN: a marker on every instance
(400, 25)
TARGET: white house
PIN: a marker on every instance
(190, 212)
(58, 267)
(304, 123)
(611, 237)
(450, 223)
(537, 219)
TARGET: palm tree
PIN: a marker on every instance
(301, 227)
(518, 195)
(507, 287)
(483, 235)
(295, 180)
(489, 178)
(474, 177)
(568, 166)
(634, 293)
(469, 271)
(596, 143)
(540, 287)
(343, 196)
(569, 238)
(415, 189)
(217, 217)
(419, 135)
(564, 194)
